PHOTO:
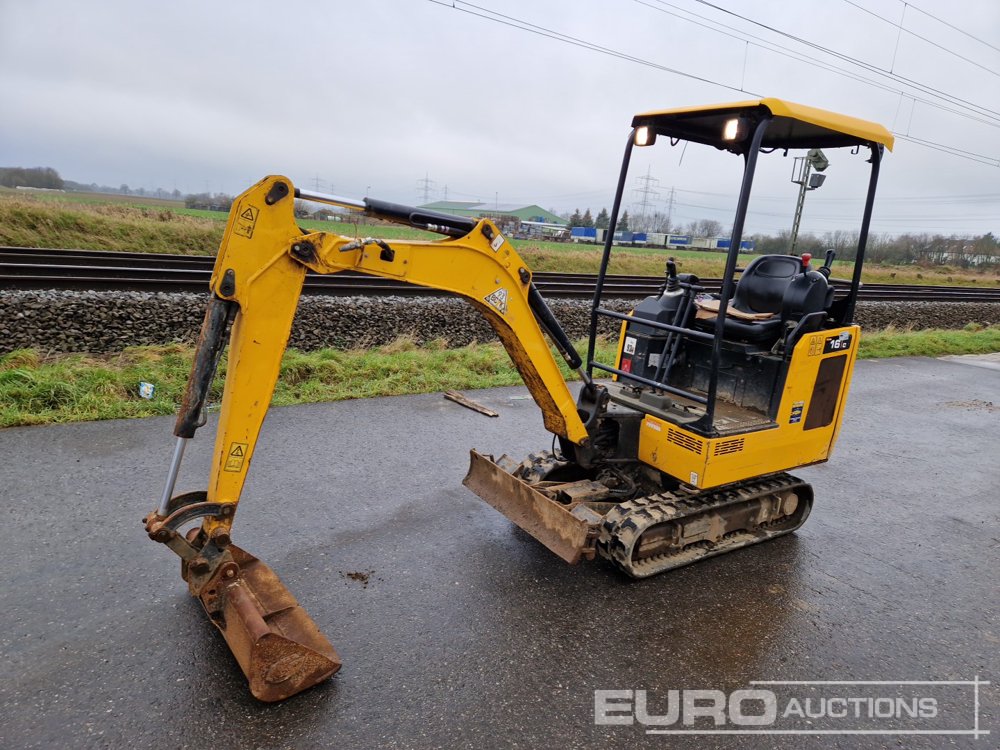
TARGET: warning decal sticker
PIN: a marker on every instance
(796, 415)
(498, 300)
(246, 221)
(236, 456)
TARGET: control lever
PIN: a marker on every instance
(827, 268)
(671, 283)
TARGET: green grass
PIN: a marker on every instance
(348, 229)
(50, 222)
(38, 390)
(35, 389)
(567, 257)
(92, 221)
(894, 342)
(95, 198)
(202, 213)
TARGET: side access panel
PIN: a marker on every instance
(808, 420)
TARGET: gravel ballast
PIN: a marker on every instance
(107, 322)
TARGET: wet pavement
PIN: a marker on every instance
(468, 633)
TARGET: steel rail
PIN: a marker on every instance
(57, 269)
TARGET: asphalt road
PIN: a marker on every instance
(468, 633)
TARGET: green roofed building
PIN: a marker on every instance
(480, 209)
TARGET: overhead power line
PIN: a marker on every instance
(925, 88)
(522, 25)
(972, 156)
(760, 42)
(952, 26)
(954, 151)
(921, 37)
(516, 23)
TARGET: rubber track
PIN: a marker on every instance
(624, 525)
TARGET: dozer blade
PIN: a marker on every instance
(278, 646)
(549, 522)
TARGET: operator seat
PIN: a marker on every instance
(774, 284)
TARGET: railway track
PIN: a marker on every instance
(30, 268)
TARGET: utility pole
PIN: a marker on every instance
(801, 169)
(424, 187)
(647, 196)
(670, 210)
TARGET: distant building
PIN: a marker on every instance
(495, 211)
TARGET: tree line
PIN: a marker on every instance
(34, 177)
(655, 222)
(903, 249)
(602, 221)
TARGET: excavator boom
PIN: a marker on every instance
(256, 285)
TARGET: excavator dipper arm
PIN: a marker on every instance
(256, 285)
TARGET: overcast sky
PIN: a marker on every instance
(371, 97)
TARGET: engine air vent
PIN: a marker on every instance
(685, 441)
(724, 447)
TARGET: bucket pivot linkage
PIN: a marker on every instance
(277, 645)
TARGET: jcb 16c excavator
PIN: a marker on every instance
(677, 453)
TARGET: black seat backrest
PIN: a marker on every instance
(762, 286)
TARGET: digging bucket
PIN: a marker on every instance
(277, 645)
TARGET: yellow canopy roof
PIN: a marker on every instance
(793, 125)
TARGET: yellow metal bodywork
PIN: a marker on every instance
(257, 248)
(712, 462)
(863, 130)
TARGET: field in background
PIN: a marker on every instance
(135, 223)
(92, 198)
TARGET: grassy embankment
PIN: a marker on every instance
(69, 388)
(129, 223)
(35, 389)
(118, 226)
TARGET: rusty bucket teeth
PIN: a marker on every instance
(278, 646)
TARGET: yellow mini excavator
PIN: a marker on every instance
(678, 452)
